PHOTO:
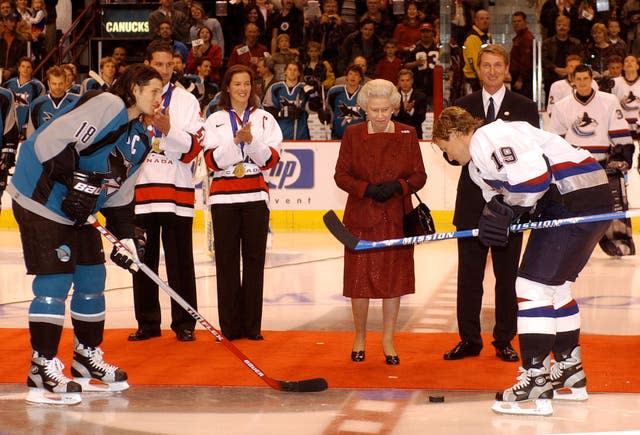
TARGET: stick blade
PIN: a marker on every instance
(338, 230)
(304, 386)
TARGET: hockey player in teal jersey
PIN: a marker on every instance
(9, 145)
(342, 100)
(82, 162)
(56, 102)
(25, 89)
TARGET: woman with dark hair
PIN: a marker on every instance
(81, 162)
(240, 142)
(407, 32)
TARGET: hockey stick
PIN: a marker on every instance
(94, 75)
(340, 232)
(307, 385)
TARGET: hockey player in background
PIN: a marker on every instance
(594, 120)
(523, 170)
(82, 162)
(25, 89)
(343, 102)
(56, 101)
(9, 128)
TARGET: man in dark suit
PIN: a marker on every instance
(413, 103)
(493, 101)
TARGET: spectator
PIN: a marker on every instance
(119, 54)
(362, 42)
(283, 55)
(379, 190)
(599, 51)
(179, 21)
(388, 67)
(206, 87)
(616, 41)
(329, 30)
(383, 21)
(552, 9)
(206, 50)
(358, 61)
(521, 64)
(164, 203)
(631, 18)
(70, 74)
(555, 51)
(478, 37)
(250, 51)
(200, 19)
(413, 103)
(462, 12)
(12, 46)
(289, 21)
(50, 30)
(423, 59)
(165, 33)
(407, 32)
(266, 77)
(316, 69)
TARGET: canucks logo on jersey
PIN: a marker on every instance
(584, 125)
(629, 102)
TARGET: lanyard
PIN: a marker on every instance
(166, 99)
(234, 123)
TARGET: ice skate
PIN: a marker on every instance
(533, 386)
(47, 384)
(567, 376)
(88, 366)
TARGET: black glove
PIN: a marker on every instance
(389, 188)
(372, 191)
(140, 239)
(324, 115)
(7, 158)
(494, 224)
(84, 190)
(620, 157)
(126, 257)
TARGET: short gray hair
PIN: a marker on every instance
(378, 88)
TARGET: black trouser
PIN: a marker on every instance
(240, 229)
(177, 243)
(472, 259)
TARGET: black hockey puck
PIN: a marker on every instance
(436, 399)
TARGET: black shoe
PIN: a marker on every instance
(463, 350)
(143, 334)
(357, 356)
(186, 335)
(257, 337)
(507, 353)
(392, 360)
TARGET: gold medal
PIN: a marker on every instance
(155, 145)
(239, 170)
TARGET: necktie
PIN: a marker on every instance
(491, 111)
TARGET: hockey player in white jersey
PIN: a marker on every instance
(595, 121)
(523, 170)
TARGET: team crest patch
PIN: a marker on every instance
(64, 253)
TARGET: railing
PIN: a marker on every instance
(78, 36)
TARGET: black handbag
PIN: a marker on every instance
(418, 222)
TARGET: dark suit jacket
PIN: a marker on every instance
(469, 199)
(419, 112)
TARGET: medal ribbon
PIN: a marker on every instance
(166, 99)
(233, 117)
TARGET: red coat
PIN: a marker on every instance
(375, 158)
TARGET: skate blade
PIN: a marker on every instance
(90, 384)
(540, 407)
(575, 394)
(39, 395)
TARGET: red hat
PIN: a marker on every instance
(426, 26)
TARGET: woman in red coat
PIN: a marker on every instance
(379, 165)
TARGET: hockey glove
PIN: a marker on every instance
(620, 157)
(495, 220)
(324, 115)
(7, 158)
(84, 191)
(140, 240)
(126, 256)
